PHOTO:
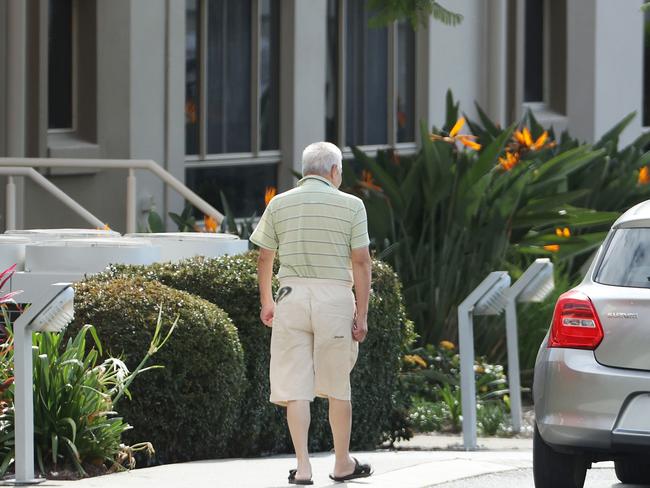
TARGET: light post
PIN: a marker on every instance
(486, 299)
(533, 286)
(51, 312)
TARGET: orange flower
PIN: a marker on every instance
(210, 224)
(539, 143)
(563, 232)
(415, 359)
(466, 140)
(368, 181)
(401, 119)
(644, 176)
(457, 127)
(448, 345)
(523, 137)
(552, 247)
(525, 140)
(509, 161)
(270, 192)
(190, 112)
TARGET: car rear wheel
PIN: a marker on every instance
(552, 469)
(633, 470)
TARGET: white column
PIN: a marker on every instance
(457, 60)
(303, 42)
(16, 79)
(131, 205)
(10, 204)
(497, 52)
(604, 66)
(15, 84)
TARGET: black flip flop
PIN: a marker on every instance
(294, 481)
(360, 471)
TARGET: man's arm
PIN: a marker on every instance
(264, 277)
(362, 274)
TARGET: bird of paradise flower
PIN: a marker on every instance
(454, 136)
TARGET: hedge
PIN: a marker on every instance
(231, 283)
(188, 408)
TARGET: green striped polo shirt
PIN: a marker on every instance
(314, 227)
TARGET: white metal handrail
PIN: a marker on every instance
(17, 166)
(47, 185)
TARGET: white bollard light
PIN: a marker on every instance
(52, 312)
(488, 298)
(533, 286)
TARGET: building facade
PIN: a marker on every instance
(225, 94)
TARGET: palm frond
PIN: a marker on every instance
(417, 12)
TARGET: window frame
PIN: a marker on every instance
(256, 156)
(392, 94)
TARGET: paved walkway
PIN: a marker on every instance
(412, 468)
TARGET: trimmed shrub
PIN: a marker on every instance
(231, 283)
(379, 412)
(188, 408)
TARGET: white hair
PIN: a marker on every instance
(319, 157)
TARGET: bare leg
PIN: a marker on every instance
(298, 418)
(341, 423)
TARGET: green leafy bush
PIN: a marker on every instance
(432, 378)
(76, 428)
(231, 283)
(447, 216)
(189, 408)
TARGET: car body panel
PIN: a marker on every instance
(578, 400)
(624, 314)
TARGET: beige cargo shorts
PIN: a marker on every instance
(312, 350)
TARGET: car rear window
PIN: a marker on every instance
(626, 261)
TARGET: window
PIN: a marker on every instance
(61, 61)
(370, 78)
(71, 32)
(545, 37)
(626, 261)
(534, 63)
(243, 186)
(232, 77)
(646, 69)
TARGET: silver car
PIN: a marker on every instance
(592, 375)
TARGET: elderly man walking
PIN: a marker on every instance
(321, 236)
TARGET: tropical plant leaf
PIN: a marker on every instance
(155, 223)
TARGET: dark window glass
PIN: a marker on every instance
(646, 70)
(270, 75)
(405, 115)
(243, 186)
(192, 78)
(627, 259)
(332, 72)
(534, 51)
(366, 114)
(60, 52)
(229, 76)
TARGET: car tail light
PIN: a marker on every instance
(575, 322)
